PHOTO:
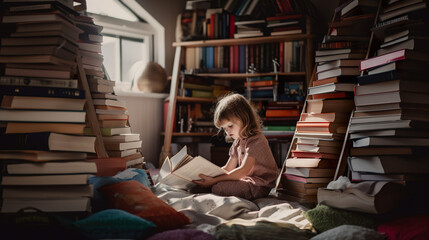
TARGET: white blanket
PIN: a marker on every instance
(207, 210)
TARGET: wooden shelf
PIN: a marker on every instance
(246, 75)
(242, 41)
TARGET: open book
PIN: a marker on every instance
(182, 168)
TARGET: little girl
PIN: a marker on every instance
(251, 168)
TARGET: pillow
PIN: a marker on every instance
(135, 198)
(114, 223)
(413, 227)
(98, 201)
(324, 218)
(350, 232)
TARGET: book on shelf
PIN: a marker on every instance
(339, 57)
(47, 141)
(391, 75)
(390, 164)
(391, 133)
(18, 115)
(25, 102)
(310, 172)
(317, 148)
(339, 71)
(328, 127)
(122, 153)
(398, 66)
(40, 156)
(331, 87)
(310, 162)
(307, 154)
(390, 106)
(401, 11)
(402, 114)
(390, 141)
(393, 57)
(321, 135)
(338, 79)
(282, 113)
(392, 86)
(333, 95)
(410, 44)
(119, 146)
(113, 123)
(325, 117)
(374, 151)
(61, 167)
(182, 169)
(22, 71)
(48, 192)
(337, 64)
(53, 50)
(38, 82)
(109, 131)
(128, 137)
(41, 92)
(391, 97)
(31, 127)
(329, 105)
(45, 180)
(82, 204)
(349, 6)
(404, 124)
(319, 142)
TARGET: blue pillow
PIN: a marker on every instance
(98, 201)
(115, 223)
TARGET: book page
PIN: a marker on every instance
(165, 168)
(197, 166)
(176, 159)
(175, 181)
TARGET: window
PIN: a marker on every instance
(131, 38)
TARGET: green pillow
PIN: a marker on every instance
(324, 218)
(115, 223)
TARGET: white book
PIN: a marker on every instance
(180, 170)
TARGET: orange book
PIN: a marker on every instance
(261, 83)
(108, 107)
(326, 127)
(325, 81)
(282, 113)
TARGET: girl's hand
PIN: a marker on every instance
(205, 181)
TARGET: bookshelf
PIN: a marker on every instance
(180, 49)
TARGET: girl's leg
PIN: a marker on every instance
(240, 189)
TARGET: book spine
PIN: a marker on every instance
(30, 141)
(42, 92)
(379, 77)
(23, 81)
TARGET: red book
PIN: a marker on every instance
(325, 81)
(231, 25)
(261, 83)
(303, 154)
(287, 17)
(393, 57)
(333, 95)
(280, 6)
(213, 26)
(281, 56)
(282, 113)
(231, 59)
(236, 57)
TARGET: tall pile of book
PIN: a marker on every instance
(320, 132)
(112, 113)
(42, 115)
(389, 129)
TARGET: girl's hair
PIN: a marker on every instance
(235, 106)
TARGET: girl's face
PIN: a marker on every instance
(232, 128)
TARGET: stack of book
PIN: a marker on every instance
(321, 128)
(249, 28)
(389, 129)
(264, 87)
(111, 112)
(42, 113)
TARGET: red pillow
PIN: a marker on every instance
(135, 198)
